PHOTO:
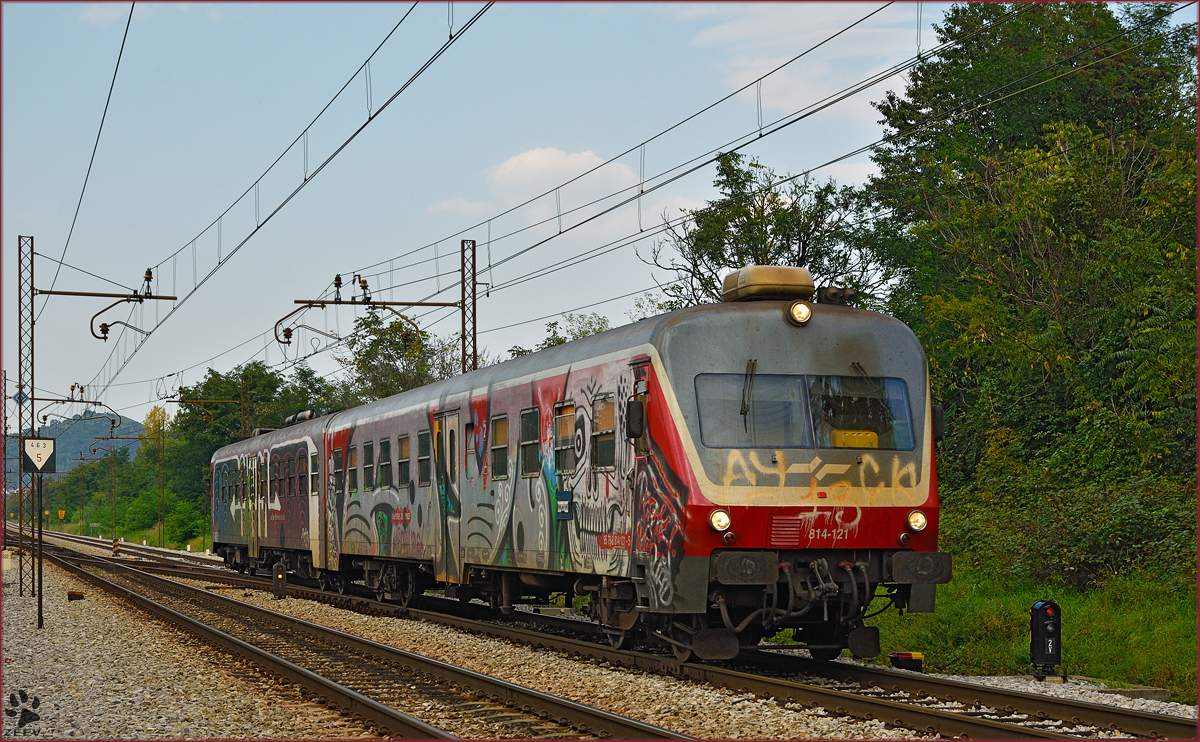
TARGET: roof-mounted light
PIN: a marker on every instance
(799, 313)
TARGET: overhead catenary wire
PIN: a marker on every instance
(91, 160)
(703, 160)
(896, 135)
(931, 122)
(81, 270)
(441, 50)
(747, 86)
(617, 244)
(910, 130)
(196, 282)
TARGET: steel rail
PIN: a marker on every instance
(1038, 707)
(863, 707)
(562, 711)
(1115, 718)
(136, 549)
(395, 722)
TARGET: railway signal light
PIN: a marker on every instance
(1045, 637)
(279, 581)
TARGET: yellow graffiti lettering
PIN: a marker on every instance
(779, 469)
(737, 461)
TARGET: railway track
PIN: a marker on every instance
(914, 701)
(362, 677)
(148, 552)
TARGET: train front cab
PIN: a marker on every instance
(812, 498)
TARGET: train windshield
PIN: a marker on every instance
(785, 411)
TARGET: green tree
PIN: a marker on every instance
(765, 219)
(1076, 336)
(575, 326)
(1017, 70)
(387, 358)
(1041, 237)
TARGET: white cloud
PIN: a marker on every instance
(761, 37)
(540, 165)
(102, 14)
(460, 206)
(543, 169)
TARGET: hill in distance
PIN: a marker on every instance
(74, 438)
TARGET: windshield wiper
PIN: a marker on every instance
(880, 389)
(748, 391)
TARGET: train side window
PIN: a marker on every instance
(529, 443)
(500, 447)
(385, 462)
(402, 467)
(368, 466)
(339, 476)
(289, 476)
(301, 474)
(423, 458)
(315, 476)
(469, 450)
(604, 433)
(564, 438)
(276, 489)
(352, 468)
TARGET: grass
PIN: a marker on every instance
(1128, 630)
(149, 535)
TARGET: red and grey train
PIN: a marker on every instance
(705, 477)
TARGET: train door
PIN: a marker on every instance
(332, 489)
(258, 476)
(447, 458)
(313, 471)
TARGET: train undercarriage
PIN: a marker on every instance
(822, 597)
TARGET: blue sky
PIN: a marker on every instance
(533, 94)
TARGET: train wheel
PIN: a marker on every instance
(618, 639)
(323, 581)
(682, 635)
(407, 580)
(683, 654)
(824, 654)
(338, 583)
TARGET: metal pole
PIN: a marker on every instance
(112, 487)
(470, 352)
(25, 411)
(162, 482)
(4, 432)
(40, 477)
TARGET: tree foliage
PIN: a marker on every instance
(387, 358)
(574, 327)
(1043, 238)
(762, 218)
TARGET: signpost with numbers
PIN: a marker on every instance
(37, 457)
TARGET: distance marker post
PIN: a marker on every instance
(37, 457)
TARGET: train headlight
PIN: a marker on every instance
(719, 520)
(917, 521)
(799, 313)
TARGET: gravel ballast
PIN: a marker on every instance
(685, 707)
(103, 670)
